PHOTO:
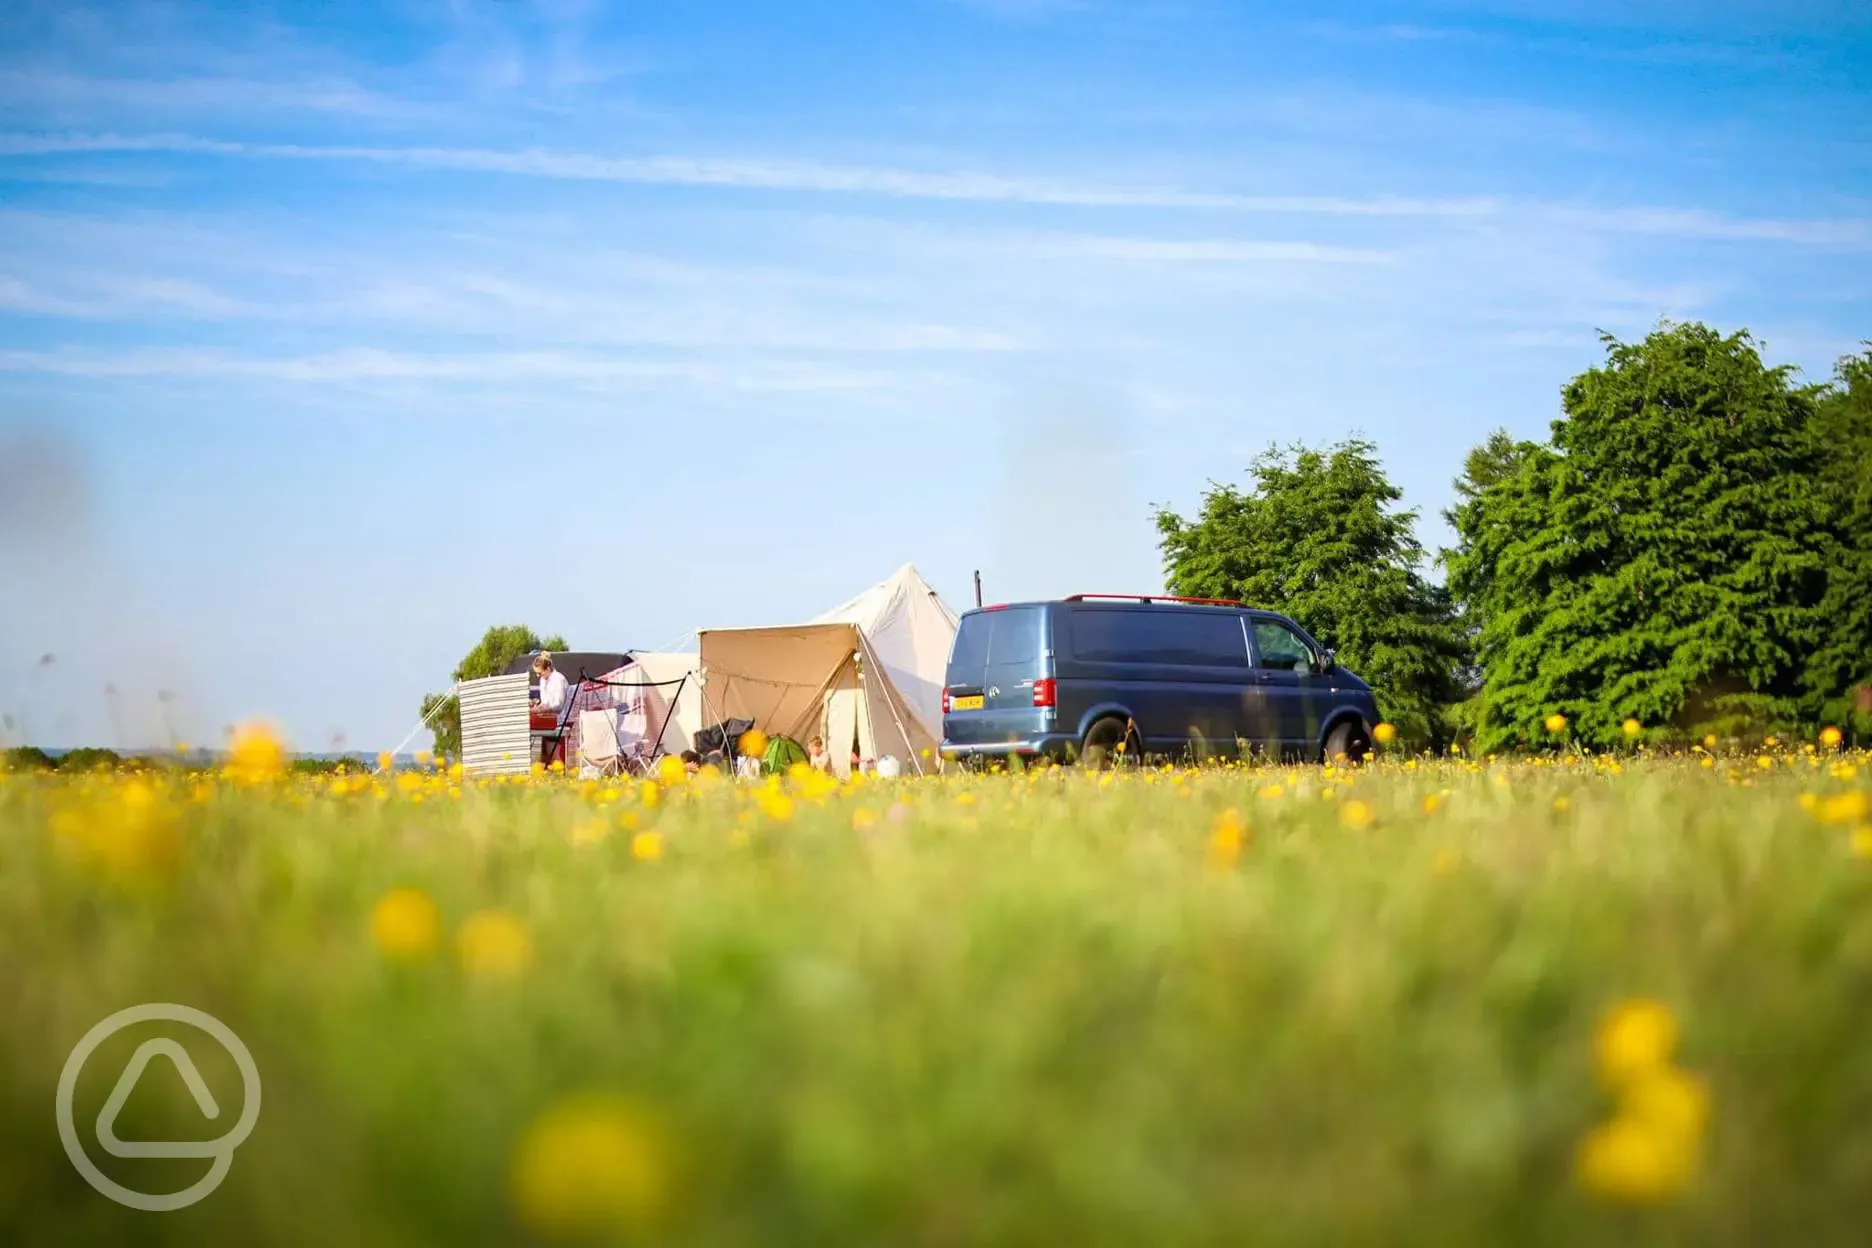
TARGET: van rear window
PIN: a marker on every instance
(1200, 638)
(969, 653)
(1016, 636)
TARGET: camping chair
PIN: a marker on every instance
(600, 753)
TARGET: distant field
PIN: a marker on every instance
(1570, 1001)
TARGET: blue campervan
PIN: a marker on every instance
(1090, 677)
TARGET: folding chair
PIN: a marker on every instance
(600, 753)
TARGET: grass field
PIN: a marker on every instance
(1570, 1001)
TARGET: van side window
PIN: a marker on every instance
(1186, 638)
(1281, 648)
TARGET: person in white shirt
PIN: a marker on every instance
(552, 697)
(552, 685)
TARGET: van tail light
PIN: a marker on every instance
(946, 704)
(1044, 692)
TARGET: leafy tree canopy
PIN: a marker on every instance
(1664, 557)
(1317, 538)
(498, 647)
(1841, 673)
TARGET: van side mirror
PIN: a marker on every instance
(1328, 661)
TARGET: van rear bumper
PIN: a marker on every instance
(1050, 744)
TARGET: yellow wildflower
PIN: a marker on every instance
(1631, 1162)
(588, 1165)
(590, 831)
(1848, 807)
(405, 924)
(1555, 723)
(1384, 734)
(647, 846)
(1355, 814)
(753, 743)
(1830, 737)
(1862, 841)
(863, 818)
(1669, 1101)
(256, 754)
(1635, 1039)
(1430, 803)
(670, 770)
(1226, 837)
(493, 943)
(1631, 728)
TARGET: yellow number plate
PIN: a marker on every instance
(966, 704)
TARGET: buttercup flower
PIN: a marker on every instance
(405, 924)
(494, 944)
(589, 1164)
(256, 754)
(1634, 1039)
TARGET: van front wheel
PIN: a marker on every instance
(1347, 741)
(1107, 742)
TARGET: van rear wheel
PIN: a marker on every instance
(1109, 742)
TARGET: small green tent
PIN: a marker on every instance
(782, 753)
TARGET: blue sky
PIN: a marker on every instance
(331, 334)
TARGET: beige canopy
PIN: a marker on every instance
(807, 680)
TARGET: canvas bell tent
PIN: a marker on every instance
(910, 629)
(867, 676)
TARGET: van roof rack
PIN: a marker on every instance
(1206, 602)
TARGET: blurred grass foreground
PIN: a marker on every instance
(1583, 1000)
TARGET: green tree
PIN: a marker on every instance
(1482, 530)
(498, 648)
(1664, 557)
(1840, 676)
(1318, 538)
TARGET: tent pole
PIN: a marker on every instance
(440, 703)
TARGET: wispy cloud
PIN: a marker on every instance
(756, 174)
(370, 364)
(785, 175)
(124, 296)
(1022, 10)
(52, 93)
